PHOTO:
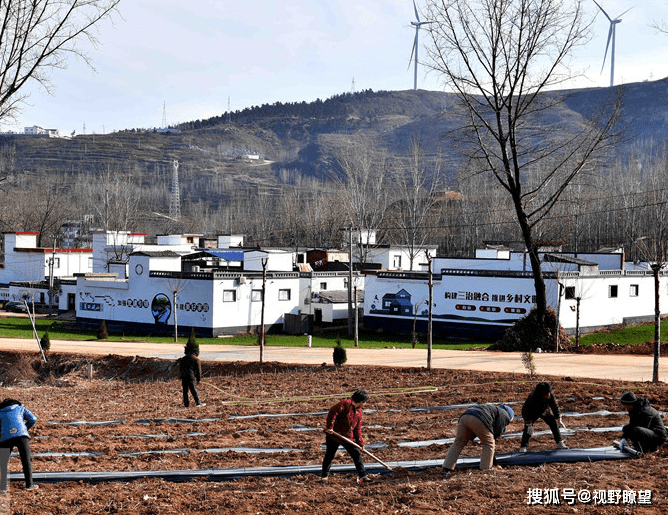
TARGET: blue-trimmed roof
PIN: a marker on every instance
(227, 255)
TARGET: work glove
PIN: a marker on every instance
(623, 443)
(529, 429)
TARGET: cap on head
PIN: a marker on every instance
(509, 410)
(628, 398)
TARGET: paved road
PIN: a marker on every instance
(617, 367)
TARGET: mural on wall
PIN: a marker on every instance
(460, 301)
(161, 308)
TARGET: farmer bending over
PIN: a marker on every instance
(486, 421)
(541, 404)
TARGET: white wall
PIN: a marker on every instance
(231, 240)
(480, 292)
(386, 257)
(598, 308)
(278, 260)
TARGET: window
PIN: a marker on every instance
(56, 262)
(229, 296)
(396, 262)
(283, 294)
(256, 296)
(634, 290)
(323, 286)
(570, 292)
(612, 291)
(90, 262)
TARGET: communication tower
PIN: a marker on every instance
(175, 198)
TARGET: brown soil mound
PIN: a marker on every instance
(645, 349)
(528, 335)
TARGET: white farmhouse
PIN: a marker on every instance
(27, 269)
(157, 293)
(482, 297)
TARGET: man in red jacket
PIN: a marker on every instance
(345, 418)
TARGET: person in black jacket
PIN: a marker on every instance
(541, 404)
(645, 430)
(190, 368)
(486, 421)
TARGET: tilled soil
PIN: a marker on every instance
(142, 397)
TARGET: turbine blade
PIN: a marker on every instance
(415, 42)
(417, 16)
(618, 17)
(606, 47)
(601, 8)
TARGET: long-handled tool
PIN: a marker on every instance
(348, 440)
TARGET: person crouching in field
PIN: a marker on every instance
(190, 368)
(541, 404)
(486, 421)
(345, 418)
(15, 421)
(645, 431)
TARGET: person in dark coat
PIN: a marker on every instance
(486, 421)
(190, 368)
(541, 404)
(645, 431)
(345, 418)
(15, 421)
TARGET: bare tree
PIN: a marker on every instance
(364, 188)
(650, 231)
(37, 36)
(501, 58)
(417, 187)
(37, 203)
(113, 197)
(176, 285)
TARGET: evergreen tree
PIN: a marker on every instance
(340, 356)
(45, 342)
(102, 331)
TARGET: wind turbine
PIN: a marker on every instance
(417, 24)
(611, 35)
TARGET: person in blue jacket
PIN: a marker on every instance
(15, 421)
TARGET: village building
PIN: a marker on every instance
(481, 297)
(29, 272)
(149, 287)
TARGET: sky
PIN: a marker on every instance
(190, 60)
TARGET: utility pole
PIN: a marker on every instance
(176, 331)
(52, 261)
(264, 289)
(357, 339)
(431, 307)
(350, 280)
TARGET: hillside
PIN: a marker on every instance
(299, 139)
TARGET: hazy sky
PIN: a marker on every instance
(193, 56)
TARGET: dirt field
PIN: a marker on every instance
(135, 392)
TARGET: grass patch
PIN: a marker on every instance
(631, 335)
(20, 327)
